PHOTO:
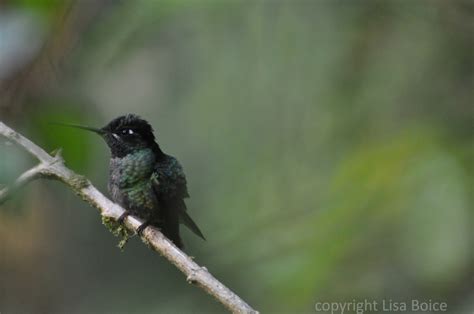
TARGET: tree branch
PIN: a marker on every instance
(54, 168)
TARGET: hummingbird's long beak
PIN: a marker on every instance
(87, 128)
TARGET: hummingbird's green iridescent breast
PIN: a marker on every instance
(129, 180)
(134, 167)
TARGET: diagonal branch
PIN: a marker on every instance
(54, 168)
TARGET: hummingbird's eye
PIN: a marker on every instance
(127, 132)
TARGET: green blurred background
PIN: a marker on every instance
(328, 147)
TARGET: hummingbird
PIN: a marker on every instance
(147, 182)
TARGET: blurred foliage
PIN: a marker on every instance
(327, 144)
(72, 142)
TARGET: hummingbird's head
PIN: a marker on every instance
(127, 134)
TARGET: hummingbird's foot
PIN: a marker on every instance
(123, 216)
(142, 227)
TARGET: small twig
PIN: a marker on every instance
(54, 168)
(21, 181)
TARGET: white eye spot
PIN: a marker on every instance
(116, 136)
(127, 131)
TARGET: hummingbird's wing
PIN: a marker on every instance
(170, 186)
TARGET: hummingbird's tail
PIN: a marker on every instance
(175, 213)
(170, 223)
(189, 222)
